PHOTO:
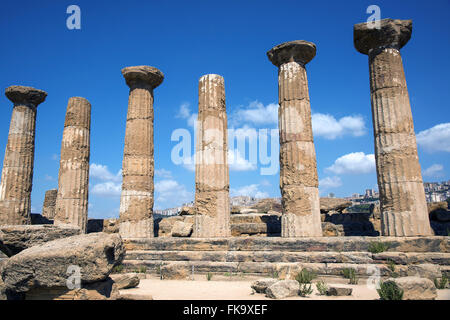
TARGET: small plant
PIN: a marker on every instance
(305, 276)
(378, 247)
(118, 269)
(305, 289)
(275, 274)
(441, 283)
(322, 287)
(228, 274)
(142, 269)
(350, 273)
(391, 265)
(209, 276)
(389, 290)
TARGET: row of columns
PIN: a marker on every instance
(402, 197)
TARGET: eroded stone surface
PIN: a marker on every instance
(212, 182)
(17, 174)
(415, 288)
(283, 289)
(298, 167)
(47, 265)
(73, 181)
(261, 285)
(48, 208)
(14, 239)
(136, 201)
(402, 196)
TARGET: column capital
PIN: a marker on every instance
(140, 75)
(391, 34)
(21, 95)
(293, 51)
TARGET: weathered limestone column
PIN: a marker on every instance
(17, 173)
(402, 196)
(212, 181)
(73, 182)
(48, 208)
(136, 202)
(298, 168)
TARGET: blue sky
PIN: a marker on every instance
(188, 39)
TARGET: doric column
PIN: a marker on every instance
(212, 182)
(136, 202)
(402, 196)
(298, 168)
(73, 182)
(17, 174)
(48, 208)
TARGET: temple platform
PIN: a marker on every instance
(265, 256)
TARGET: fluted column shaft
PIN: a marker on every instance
(298, 168)
(402, 196)
(136, 202)
(73, 181)
(212, 182)
(17, 173)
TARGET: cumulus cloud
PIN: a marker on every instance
(102, 172)
(330, 182)
(436, 170)
(328, 127)
(163, 173)
(169, 193)
(436, 138)
(257, 113)
(250, 191)
(107, 189)
(184, 112)
(353, 163)
(237, 162)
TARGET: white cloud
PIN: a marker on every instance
(107, 189)
(192, 121)
(330, 182)
(169, 193)
(436, 170)
(257, 113)
(49, 178)
(163, 173)
(184, 111)
(326, 126)
(250, 191)
(237, 162)
(353, 163)
(436, 138)
(55, 157)
(101, 172)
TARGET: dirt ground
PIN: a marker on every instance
(239, 289)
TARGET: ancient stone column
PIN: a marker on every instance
(136, 202)
(212, 182)
(48, 208)
(17, 173)
(402, 196)
(73, 181)
(298, 168)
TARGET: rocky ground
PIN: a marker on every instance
(226, 288)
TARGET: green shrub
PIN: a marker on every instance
(441, 283)
(305, 276)
(378, 247)
(209, 276)
(322, 287)
(275, 274)
(142, 269)
(389, 290)
(391, 265)
(118, 269)
(305, 289)
(350, 273)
